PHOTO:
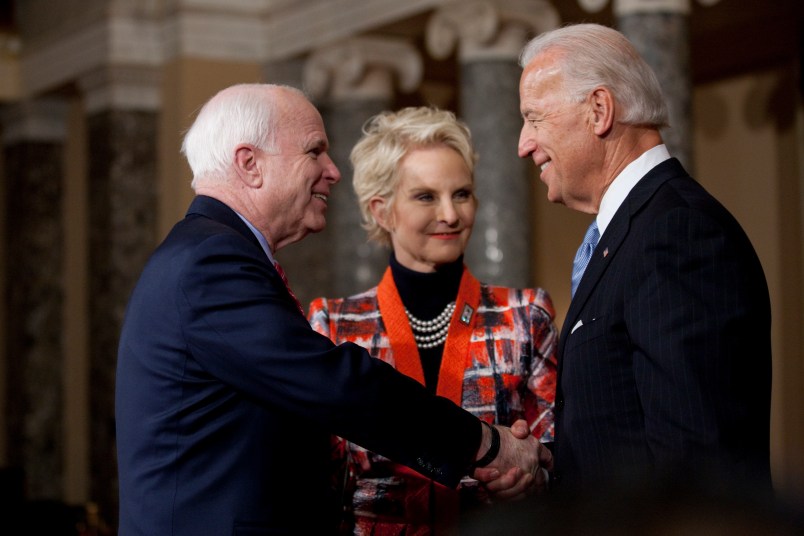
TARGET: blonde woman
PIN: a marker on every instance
(489, 349)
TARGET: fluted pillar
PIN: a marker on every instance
(489, 36)
(353, 81)
(33, 143)
(122, 128)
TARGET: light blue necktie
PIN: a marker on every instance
(584, 254)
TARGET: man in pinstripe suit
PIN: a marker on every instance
(665, 354)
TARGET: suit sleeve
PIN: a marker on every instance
(690, 321)
(245, 331)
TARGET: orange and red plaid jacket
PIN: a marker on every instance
(511, 375)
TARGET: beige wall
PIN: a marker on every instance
(186, 85)
(9, 69)
(748, 153)
(76, 331)
(3, 422)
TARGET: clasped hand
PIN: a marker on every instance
(520, 468)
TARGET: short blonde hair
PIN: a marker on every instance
(387, 138)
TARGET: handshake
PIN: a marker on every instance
(521, 465)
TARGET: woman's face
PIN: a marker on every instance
(433, 211)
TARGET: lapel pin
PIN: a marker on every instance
(605, 253)
(466, 314)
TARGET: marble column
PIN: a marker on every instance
(33, 140)
(122, 127)
(353, 81)
(489, 36)
(660, 30)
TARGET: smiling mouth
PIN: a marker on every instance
(446, 235)
(545, 165)
(322, 197)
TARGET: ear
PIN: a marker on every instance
(246, 165)
(378, 206)
(602, 103)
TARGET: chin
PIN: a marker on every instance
(316, 226)
(448, 259)
(555, 198)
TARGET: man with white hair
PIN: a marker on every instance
(664, 363)
(226, 398)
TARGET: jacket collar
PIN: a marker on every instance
(211, 208)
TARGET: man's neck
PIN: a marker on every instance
(241, 204)
(633, 142)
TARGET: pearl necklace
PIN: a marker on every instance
(431, 333)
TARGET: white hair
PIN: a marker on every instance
(594, 55)
(243, 113)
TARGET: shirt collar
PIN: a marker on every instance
(260, 238)
(625, 181)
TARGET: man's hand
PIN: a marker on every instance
(521, 466)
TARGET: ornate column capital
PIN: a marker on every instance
(363, 67)
(487, 29)
(119, 39)
(43, 120)
(122, 87)
(629, 7)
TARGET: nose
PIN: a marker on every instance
(527, 145)
(331, 172)
(447, 212)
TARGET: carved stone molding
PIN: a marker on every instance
(487, 29)
(593, 6)
(627, 7)
(363, 67)
(122, 88)
(40, 120)
(113, 41)
(221, 35)
(302, 26)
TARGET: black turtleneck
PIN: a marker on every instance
(425, 295)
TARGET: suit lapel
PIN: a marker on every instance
(218, 211)
(613, 238)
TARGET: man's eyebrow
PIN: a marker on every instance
(318, 143)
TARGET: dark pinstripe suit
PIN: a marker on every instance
(670, 370)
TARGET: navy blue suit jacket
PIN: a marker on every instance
(665, 353)
(226, 397)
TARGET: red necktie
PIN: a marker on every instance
(287, 285)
